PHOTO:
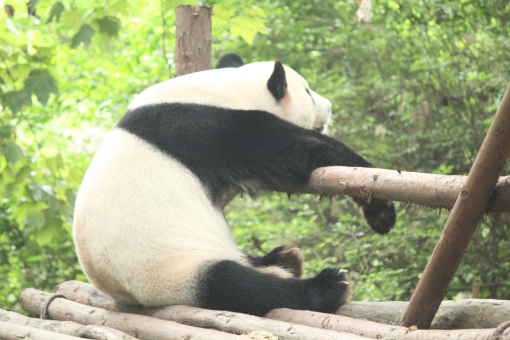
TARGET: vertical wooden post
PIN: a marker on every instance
(462, 222)
(193, 39)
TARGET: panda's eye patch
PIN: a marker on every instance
(308, 91)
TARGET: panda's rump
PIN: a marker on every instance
(144, 223)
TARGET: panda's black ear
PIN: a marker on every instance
(277, 83)
(230, 60)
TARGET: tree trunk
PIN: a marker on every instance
(193, 39)
(138, 326)
(438, 191)
(468, 210)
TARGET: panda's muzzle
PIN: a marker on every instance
(320, 128)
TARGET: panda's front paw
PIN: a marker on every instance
(328, 290)
(380, 214)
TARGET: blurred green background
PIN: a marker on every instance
(415, 89)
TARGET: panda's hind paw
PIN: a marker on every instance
(284, 257)
(292, 260)
(328, 290)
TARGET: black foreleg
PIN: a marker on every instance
(286, 155)
(379, 213)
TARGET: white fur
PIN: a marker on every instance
(172, 231)
(243, 88)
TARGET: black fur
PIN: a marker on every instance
(277, 83)
(225, 147)
(230, 60)
(228, 285)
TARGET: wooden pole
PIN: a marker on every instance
(469, 208)
(64, 327)
(12, 331)
(438, 191)
(193, 39)
(138, 326)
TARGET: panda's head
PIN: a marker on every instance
(267, 86)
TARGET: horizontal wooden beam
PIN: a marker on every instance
(431, 190)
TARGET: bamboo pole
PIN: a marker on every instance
(468, 210)
(438, 191)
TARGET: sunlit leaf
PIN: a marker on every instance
(52, 228)
(12, 152)
(34, 222)
(171, 4)
(72, 18)
(5, 132)
(84, 35)
(32, 7)
(41, 83)
(21, 212)
(108, 26)
(16, 100)
(247, 28)
(75, 177)
(119, 7)
(224, 10)
(40, 192)
(55, 12)
(55, 163)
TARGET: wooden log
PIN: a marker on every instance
(226, 321)
(469, 208)
(138, 326)
(469, 313)
(438, 191)
(477, 313)
(65, 327)
(193, 39)
(12, 331)
(375, 330)
(236, 322)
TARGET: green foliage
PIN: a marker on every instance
(414, 90)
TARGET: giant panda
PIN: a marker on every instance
(149, 227)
